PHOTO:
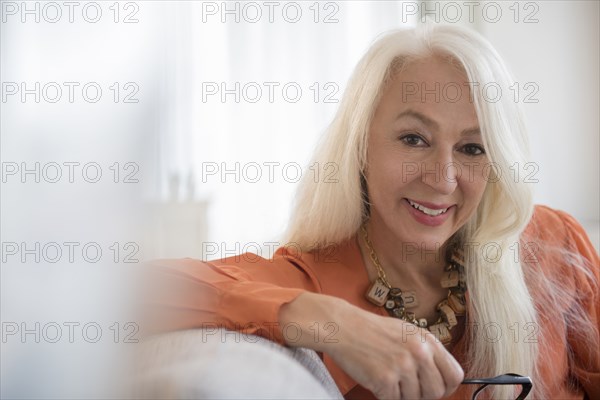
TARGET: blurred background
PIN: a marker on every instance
(134, 130)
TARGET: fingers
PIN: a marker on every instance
(410, 386)
(412, 375)
(432, 382)
(389, 387)
(450, 370)
(436, 373)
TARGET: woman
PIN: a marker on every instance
(424, 224)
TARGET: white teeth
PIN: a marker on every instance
(426, 210)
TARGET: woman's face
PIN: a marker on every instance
(425, 150)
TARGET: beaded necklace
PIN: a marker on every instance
(396, 301)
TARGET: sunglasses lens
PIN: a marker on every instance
(508, 392)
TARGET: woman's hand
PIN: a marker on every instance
(391, 358)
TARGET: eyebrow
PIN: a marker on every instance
(432, 124)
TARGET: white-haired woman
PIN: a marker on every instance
(421, 262)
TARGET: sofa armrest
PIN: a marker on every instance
(220, 364)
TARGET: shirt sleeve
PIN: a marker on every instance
(585, 361)
(242, 293)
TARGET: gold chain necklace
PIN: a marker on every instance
(396, 302)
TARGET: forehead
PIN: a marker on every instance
(433, 86)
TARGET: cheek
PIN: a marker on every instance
(384, 173)
(473, 190)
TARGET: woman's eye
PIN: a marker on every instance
(474, 149)
(412, 140)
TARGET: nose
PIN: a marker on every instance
(441, 172)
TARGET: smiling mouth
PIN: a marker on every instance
(428, 211)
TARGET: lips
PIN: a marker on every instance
(429, 208)
(428, 213)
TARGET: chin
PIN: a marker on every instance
(430, 245)
(426, 242)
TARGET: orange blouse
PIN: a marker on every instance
(245, 292)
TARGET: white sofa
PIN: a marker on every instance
(223, 364)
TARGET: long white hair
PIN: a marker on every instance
(327, 212)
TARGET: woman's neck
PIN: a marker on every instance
(411, 269)
(408, 265)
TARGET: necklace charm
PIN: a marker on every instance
(450, 279)
(448, 315)
(442, 333)
(456, 301)
(410, 299)
(378, 293)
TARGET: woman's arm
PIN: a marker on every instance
(234, 294)
(387, 356)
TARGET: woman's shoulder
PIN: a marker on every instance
(552, 227)
(552, 221)
(557, 244)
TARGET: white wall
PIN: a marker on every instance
(560, 53)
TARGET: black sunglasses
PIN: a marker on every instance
(506, 379)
